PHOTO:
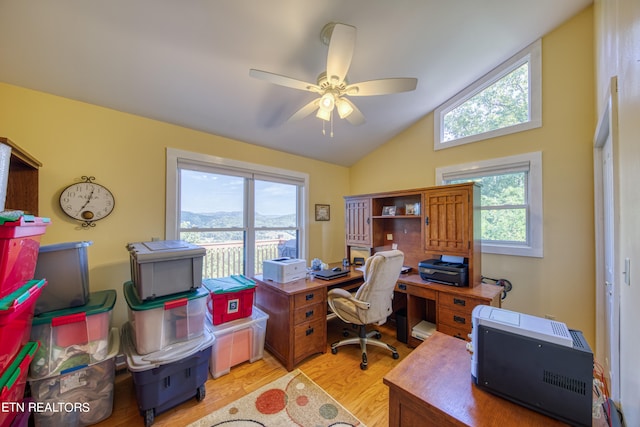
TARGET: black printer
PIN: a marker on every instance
(446, 270)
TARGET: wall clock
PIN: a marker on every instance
(87, 201)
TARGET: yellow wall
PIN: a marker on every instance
(126, 153)
(562, 283)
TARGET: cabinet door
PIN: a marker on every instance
(358, 221)
(447, 220)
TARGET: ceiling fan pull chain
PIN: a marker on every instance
(331, 123)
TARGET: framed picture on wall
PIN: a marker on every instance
(323, 212)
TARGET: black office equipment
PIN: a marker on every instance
(330, 274)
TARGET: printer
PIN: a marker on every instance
(283, 270)
(448, 270)
(535, 362)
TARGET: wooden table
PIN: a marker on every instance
(432, 386)
(297, 325)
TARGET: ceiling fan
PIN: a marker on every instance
(332, 87)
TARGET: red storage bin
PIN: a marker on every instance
(230, 298)
(13, 381)
(19, 245)
(16, 314)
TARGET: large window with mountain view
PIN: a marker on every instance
(506, 100)
(510, 201)
(241, 213)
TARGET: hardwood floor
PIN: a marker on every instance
(361, 392)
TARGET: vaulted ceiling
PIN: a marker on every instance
(187, 62)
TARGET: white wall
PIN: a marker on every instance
(617, 32)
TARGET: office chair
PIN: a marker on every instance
(371, 304)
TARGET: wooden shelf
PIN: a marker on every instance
(22, 185)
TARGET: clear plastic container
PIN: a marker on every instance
(88, 391)
(72, 337)
(66, 268)
(165, 320)
(237, 341)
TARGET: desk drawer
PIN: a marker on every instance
(458, 303)
(308, 298)
(417, 290)
(310, 338)
(309, 313)
(454, 318)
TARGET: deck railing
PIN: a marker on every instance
(225, 259)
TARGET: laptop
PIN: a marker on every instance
(330, 274)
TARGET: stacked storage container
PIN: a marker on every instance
(19, 243)
(165, 342)
(239, 328)
(72, 373)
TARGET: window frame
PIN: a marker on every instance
(534, 246)
(215, 164)
(531, 54)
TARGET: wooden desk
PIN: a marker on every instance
(432, 386)
(449, 307)
(297, 326)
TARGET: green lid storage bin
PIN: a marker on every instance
(72, 337)
(166, 320)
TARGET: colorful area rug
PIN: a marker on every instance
(292, 400)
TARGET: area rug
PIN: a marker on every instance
(292, 400)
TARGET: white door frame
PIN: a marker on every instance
(607, 290)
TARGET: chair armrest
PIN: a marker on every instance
(341, 293)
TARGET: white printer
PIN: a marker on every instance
(538, 363)
(283, 270)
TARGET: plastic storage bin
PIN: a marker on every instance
(72, 337)
(66, 268)
(167, 378)
(16, 314)
(165, 320)
(19, 244)
(87, 391)
(237, 342)
(165, 267)
(13, 381)
(231, 298)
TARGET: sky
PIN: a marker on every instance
(206, 192)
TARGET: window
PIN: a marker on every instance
(507, 100)
(241, 213)
(510, 201)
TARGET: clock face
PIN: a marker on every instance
(87, 201)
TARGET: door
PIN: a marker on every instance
(611, 285)
(607, 270)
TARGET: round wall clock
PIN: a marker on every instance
(87, 201)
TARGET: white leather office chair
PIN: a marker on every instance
(371, 304)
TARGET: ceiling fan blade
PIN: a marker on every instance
(356, 117)
(284, 80)
(305, 111)
(341, 47)
(382, 87)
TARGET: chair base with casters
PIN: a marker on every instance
(371, 304)
(363, 339)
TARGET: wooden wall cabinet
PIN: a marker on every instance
(358, 221)
(424, 223)
(22, 185)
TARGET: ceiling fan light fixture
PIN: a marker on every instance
(344, 108)
(327, 102)
(324, 114)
